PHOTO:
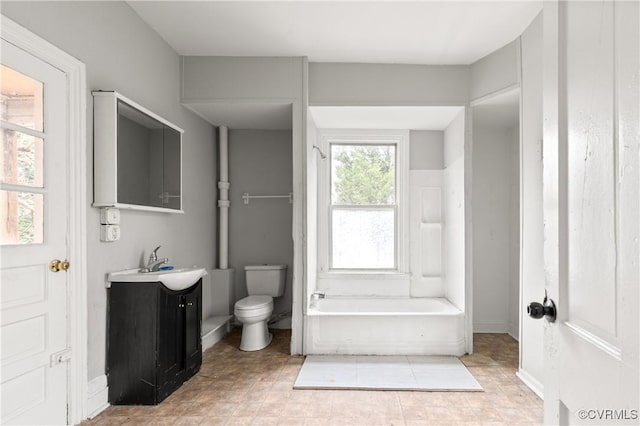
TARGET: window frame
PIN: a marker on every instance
(397, 138)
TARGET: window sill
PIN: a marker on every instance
(364, 275)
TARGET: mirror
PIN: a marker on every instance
(148, 160)
(146, 152)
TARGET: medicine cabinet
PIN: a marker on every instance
(137, 156)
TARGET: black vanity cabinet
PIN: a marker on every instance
(154, 342)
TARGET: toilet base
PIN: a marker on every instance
(255, 336)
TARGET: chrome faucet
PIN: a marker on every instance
(153, 265)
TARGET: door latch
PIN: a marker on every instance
(60, 357)
(545, 309)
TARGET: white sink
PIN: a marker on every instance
(175, 279)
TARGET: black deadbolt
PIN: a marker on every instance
(546, 309)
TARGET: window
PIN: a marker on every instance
(363, 206)
(363, 197)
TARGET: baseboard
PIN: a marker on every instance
(490, 327)
(513, 331)
(531, 383)
(97, 396)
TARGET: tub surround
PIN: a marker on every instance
(384, 326)
(420, 308)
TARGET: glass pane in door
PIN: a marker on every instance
(22, 99)
(21, 217)
(22, 158)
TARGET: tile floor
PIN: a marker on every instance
(255, 388)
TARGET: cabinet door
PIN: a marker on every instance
(193, 328)
(131, 344)
(170, 342)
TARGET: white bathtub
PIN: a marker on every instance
(384, 326)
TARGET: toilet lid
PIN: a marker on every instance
(253, 302)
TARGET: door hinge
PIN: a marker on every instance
(60, 357)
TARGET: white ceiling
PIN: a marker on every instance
(265, 116)
(403, 118)
(418, 32)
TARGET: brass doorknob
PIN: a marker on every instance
(58, 265)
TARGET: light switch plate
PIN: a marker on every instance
(109, 233)
(109, 216)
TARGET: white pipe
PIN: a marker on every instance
(224, 154)
(223, 202)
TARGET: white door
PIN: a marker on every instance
(592, 211)
(34, 224)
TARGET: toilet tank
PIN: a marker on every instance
(266, 280)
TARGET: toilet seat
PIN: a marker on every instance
(253, 302)
(254, 306)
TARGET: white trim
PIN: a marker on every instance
(298, 148)
(400, 138)
(531, 382)
(386, 103)
(377, 275)
(22, 129)
(489, 96)
(468, 229)
(594, 340)
(125, 206)
(119, 96)
(106, 113)
(521, 216)
(553, 195)
(77, 175)
(97, 396)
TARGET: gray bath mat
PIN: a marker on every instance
(420, 373)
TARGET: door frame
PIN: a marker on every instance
(77, 180)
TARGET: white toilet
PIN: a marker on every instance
(264, 282)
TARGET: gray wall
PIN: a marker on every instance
(496, 71)
(122, 53)
(388, 84)
(260, 163)
(493, 201)
(230, 77)
(426, 150)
